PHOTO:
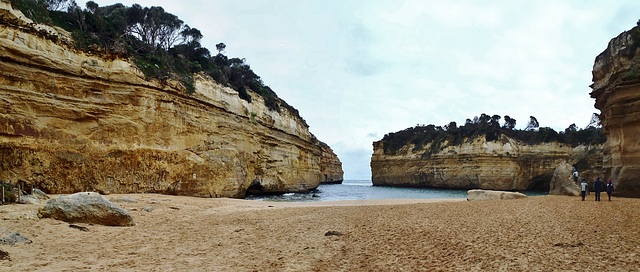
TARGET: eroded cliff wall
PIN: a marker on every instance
(506, 164)
(72, 122)
(616, 89)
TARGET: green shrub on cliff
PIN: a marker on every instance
(433, 138)
(160, 44)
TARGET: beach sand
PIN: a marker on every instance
(543, 233)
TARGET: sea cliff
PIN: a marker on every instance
(616, 89)
(73, 121)
(503, 164)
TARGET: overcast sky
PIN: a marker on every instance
(357, 70)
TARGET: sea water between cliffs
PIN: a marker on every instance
(364, 189)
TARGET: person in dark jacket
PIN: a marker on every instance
(609, 188)
(597, 187)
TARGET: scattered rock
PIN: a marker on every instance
(148, 208)
(4, 255)
(28, 215)
(175, 208)
(333, 233)
(8, 237)
(39, 194)
(492, 195)
(29, 199)
(166, 199)
(78, 227)
(123, 199)
(562, 182)
(86, 207)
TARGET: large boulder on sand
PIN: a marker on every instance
(86, 207)
(492, 195)
(562, 182)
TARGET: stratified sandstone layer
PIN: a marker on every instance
(616, 88)
(506, 164)
(73, 122)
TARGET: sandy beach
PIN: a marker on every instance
(544, 233)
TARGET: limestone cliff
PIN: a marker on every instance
(616, 88)
(505, 164)
(71, 121)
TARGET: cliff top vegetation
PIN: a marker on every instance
(433, 138)
(158, 42)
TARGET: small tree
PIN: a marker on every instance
(78, 16)
(595, 121)
(57, 5)
(509, 123)
(533, 123)
(92, 7)
(220, 47)
(495, 120)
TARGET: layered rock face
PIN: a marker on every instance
(616, 88)
(506, 164)
(73, 122)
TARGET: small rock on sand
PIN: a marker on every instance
(8, 237)
(493, 195)
(123, 199)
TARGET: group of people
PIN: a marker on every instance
(597, 187)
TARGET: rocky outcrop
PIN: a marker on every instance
(71, 121)
(506, 164)
(330, 166)
(474, 195)
(563, 182)
(86, 207)
(616, 89)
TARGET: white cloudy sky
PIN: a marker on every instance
(357, 70)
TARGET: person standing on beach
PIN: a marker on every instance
(583, 187)
(597, 186)
(609, 188)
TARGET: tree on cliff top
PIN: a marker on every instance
(160, 44)
(533, 123)
(431, 139)
(56, 5)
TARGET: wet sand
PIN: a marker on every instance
(543, 233)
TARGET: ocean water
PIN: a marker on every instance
(364, 189)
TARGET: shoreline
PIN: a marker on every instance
(221, 234)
